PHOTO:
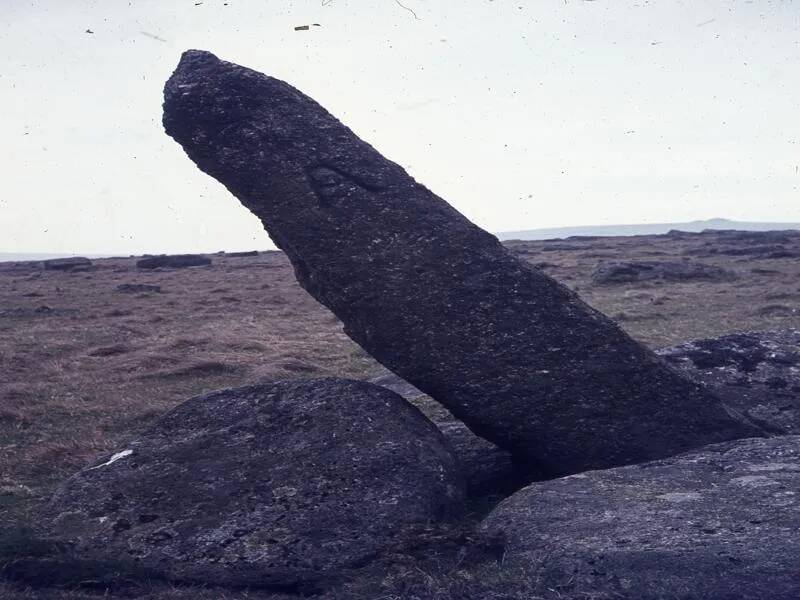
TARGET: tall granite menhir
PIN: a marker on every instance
(515, 355)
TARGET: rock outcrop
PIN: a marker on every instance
(756, 372)
(762, 252)
(72, 263)
(282, 484)
(516, 356)
(632, 272)
(720, 522)
(173, 261)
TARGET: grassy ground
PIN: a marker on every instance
(84, 367)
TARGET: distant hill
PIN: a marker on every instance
(534, 234)
(15, 256)
(642, 229)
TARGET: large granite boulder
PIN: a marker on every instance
(279, 484)
(717, 523)
(509, 351)
(757, 372)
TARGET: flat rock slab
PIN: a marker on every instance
(757, 372)
(274, 485)
(633, 272)
(173, 261)
(385, 378)
(516, 356)
(138, 288)
(72, 263)
(720, 522)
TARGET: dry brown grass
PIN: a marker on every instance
(86, 367)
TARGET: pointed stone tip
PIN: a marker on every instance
(196, 58)
(193, 65)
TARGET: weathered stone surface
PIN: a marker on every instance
(173, 261)
(720, 522)
(271, 485)
(757, 372)
(385, 378)
(515, 355)
(632, 272)
(72, 263)
(490, 472)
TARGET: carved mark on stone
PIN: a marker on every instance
(334, 186)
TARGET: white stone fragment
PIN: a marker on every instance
(113, 459)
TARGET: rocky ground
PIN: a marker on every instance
(91, 356)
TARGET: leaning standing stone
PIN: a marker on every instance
(515, 355)
(279, 484)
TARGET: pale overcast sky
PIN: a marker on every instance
(520, 114)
